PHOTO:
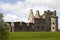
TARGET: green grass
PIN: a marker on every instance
(35, 35)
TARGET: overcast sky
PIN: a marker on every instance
(18, 10)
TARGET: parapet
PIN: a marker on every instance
(50, 12)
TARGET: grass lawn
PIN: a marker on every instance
(35, 35)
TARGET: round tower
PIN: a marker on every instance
(54, 22)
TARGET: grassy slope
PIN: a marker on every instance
(35, 36)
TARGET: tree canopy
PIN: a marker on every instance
(4, 34)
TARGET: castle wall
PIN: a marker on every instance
(39, 24)
(20, 26)
(30, 27)
(46, 22)
(16, 26)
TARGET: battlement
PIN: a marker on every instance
(48, 11)
(46, 22)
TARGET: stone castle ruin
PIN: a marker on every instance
(46, 22)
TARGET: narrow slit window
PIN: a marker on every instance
(53, 27)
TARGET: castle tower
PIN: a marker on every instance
(37, 14)
(48, 20)
(54, 22)
(31, 16)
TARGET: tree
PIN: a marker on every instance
(4, 33)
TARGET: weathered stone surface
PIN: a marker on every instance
(46, 22)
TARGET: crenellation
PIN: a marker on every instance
(54, 11)
(45, 12)
(48, 11)
(46, 22)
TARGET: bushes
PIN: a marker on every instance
(4, 33)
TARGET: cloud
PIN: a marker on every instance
(44, 2)
(19, 6)
(10, 17)
(21, 9)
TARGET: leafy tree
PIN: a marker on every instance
(4, 33)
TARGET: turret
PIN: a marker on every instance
(31, 16)
(55, 12)
(54, 24)
(48, 11)
(37, 14)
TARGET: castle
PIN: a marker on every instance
(46, 22)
